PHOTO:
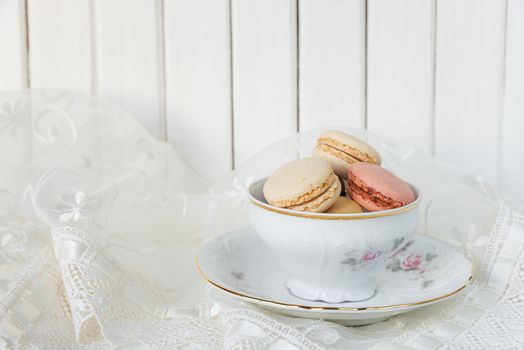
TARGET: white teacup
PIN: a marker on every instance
(331, 257)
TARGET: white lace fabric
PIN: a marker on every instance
(99, 224)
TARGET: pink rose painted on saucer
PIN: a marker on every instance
(412, 262)
(358, 260)
(370, 255)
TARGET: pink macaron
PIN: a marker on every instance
(376, 188)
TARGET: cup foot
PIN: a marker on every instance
(331, 293)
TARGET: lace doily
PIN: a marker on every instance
(99, 224)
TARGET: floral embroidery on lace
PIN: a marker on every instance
(14, 118)
(76, 207)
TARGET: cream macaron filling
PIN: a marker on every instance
(346, 152)
(304, 197)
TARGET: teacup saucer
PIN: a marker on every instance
(427, 271)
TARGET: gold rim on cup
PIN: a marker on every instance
(326, 216)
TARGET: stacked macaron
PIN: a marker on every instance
(339, 160)
(307, 184)
(342, 150)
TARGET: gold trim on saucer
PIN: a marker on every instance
(325, 216)
(327, 308)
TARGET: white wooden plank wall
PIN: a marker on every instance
(332, 63)
(197, 46)
(400, 70)
(264, 73)
(469, 83)
(220, 79)
(13, 75)
(61, 50)
(128, 59)
(511, 153)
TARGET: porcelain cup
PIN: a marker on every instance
(331, 257)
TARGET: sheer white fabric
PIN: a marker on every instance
(99, 224)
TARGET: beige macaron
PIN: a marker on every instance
(307, 184)
(345, 205)
(341, 150)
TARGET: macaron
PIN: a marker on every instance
(307, 184)
(376, 188)
(345, 205)
(342, 150)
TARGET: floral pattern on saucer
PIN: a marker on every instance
(357, 260)
(414, 262)
(420, 271)
(370, 256)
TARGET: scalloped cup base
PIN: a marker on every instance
(331, 293)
